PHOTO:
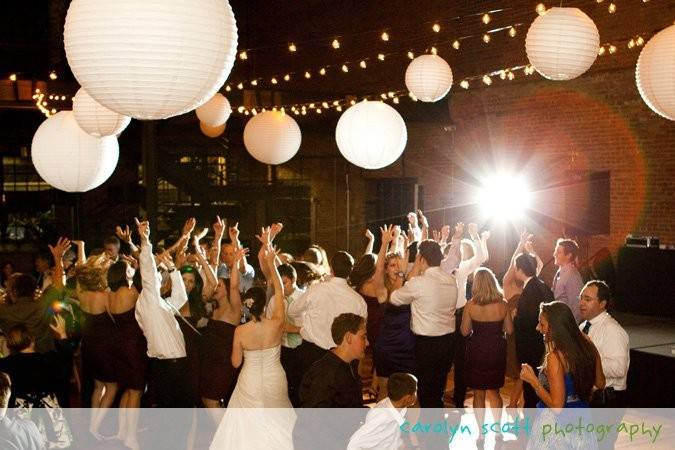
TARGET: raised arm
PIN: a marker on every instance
(124, 235)
(265, 239)
(58, 251)
(424, 223)
(81, 255)
(451, 262)
(279, 313)
(178, 296)
(210, 282)
(371, 240)
(147, 261)
(235, 279)
(378, 277)
(234, 237)
(218, 231)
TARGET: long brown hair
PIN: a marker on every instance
(578, 352)
(363, 271)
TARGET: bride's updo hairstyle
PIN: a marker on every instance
(256, 298)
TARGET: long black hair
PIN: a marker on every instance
(195, 300)
(578, 352)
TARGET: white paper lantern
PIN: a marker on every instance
(95, 118)
(428, 77)
(70, 159)
(562, 44)
(150, 59)
(212, 132)
(215, 112)
(371, 135)
(272, 137)
(655, 73)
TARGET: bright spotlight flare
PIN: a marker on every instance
(504, 197)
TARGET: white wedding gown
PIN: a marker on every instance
(259, 414)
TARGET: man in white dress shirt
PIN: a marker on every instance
(156, 317)
(433, 298)
(316, 309)
(609, 338)
(567, 282)
(382, 428)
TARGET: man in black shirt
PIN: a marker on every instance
(332, 382)
(16, 434)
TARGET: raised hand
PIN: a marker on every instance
(189, 226)
(60, 249)
(485, 235)
(529, 247)
(422, 218)
(133, 262)
(473, 230)
(275, 229)
(199, 236)
(396, 232)
(240, 254)
(143, 229)
(459, 230)
(59, 326)
(412, 219)
(387, 234)
(265, 235)
(165, 258)
(218, 228)
(270, 254)
(123, 234)
(234, 233)
(445, 233)
(369, 235)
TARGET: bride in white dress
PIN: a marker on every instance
(259, 414)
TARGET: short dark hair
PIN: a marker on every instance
(288, 271)
(412, 251)
(111, 240)
(23, 284)
(569, 246)
(19, 338)
(401, 384)
(342, 264)
(604, 293)
(344, 323)
(527, 264)
(430, 250)
(5, 389)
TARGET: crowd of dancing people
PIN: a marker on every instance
(195, 325)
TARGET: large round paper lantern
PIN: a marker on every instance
(562, 44)
(212, 132)
(371, 135)
(272, 137)
(70, 159)
(655, 73)
(428, 77)
(150, 59)
(95, 118)
(215, 112)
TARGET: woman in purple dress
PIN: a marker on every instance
(485, 321)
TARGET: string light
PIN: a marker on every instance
(486, 38)
(362, 64)
(436, 27)
(385, 36)
(322, 71)
(464, 84)
(639, 41)
(336, 44)
(631, 43)
(487, 80)
(611, 8)
(287, 77)
(455, 45)
(12, 77)
(228, 88)
(612, 49)
(240, 86)
(52, 75)
(308, 75)
(601, 51)
(541, 9)
(345, 69)
(411, 55)
(434, 51)
(254, 82)
(395, 100)
(274, 81)
(292, 48)
(243, 55)
(380, 56)
(486, 18)
(512, 32)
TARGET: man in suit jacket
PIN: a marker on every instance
(529, 342)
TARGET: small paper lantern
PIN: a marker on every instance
(150, 59)
(70, 159)
(212, 132)
(428, 77)
(95, 118)
(655, 73)
(562, 44)
(215, 112)
(272, 137)
(371, 135)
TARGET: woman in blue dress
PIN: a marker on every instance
(570, 372)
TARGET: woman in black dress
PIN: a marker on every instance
(130, 354)
(485, 320)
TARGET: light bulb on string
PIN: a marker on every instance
(436, 27)
(336, 44)
(240, 86)
(411, 55)
(322, 71)
(274, 80)
(487, 80)
(345, 69)
(395, 100)
(611, 8)
(512, 32)
(464, 84)
(486, 18)
(243, 55)
(228, 88)
(52, 75)
(380, 56)
(308, 75)
(434, 51)
(292, 48)
(362, 64)
(254, 82)
(12, 77)
(385, 36)
(455, 45)
(287, 77)
(541, 9)
(486, 38)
